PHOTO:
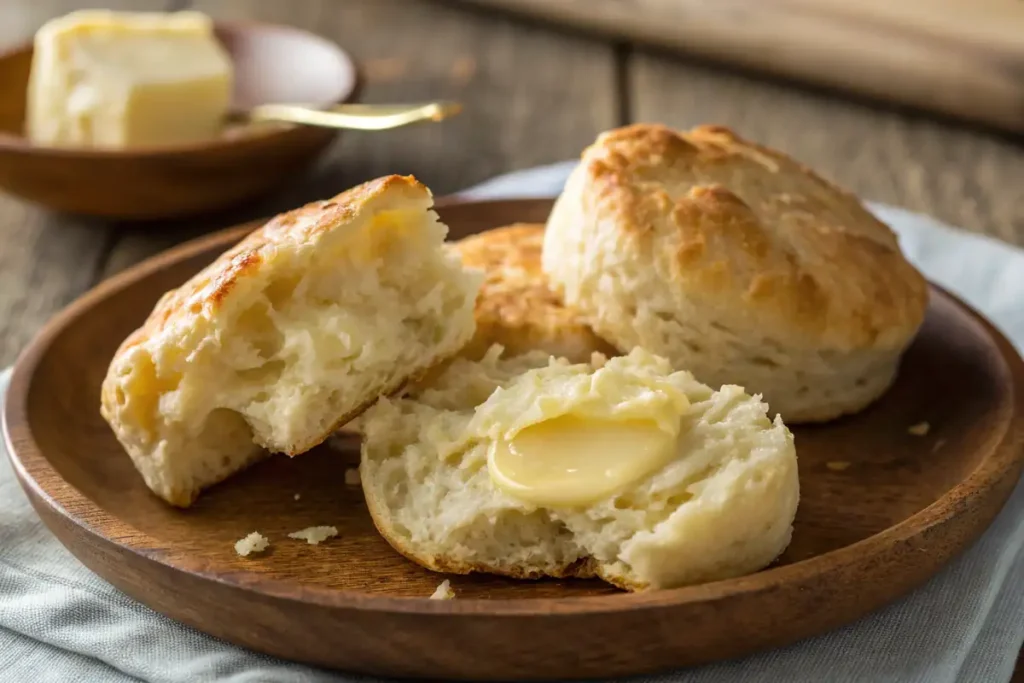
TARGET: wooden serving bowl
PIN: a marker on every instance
(895, 509)
(272, 64)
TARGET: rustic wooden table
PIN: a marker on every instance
(532, 95)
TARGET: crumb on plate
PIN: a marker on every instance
(837, 465)
(444, 591)
(920, 429)
(314, 535)
(352, 477)
(297, 496)
(253, 543)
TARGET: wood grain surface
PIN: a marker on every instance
(534, 94)
(957, 57)
(899, 507)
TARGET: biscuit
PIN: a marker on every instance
(735, 263)
(287, 335)
(516, 307)
(719, 503)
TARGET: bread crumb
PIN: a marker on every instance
(297, 496)
(938, 444)
(920, 429)
(837, 465)
(253, 543)
(444, 591)
(352, 477)
(314, 535)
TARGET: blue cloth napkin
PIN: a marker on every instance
(60, 622)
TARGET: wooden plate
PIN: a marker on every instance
(896, 508)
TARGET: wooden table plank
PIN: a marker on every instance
(531, 96)
(46, 260)
(968, 178)
(959, 57)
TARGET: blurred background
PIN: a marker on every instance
(917, 104)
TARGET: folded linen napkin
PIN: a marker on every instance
(60, 622)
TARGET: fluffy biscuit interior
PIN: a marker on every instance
(721, 506)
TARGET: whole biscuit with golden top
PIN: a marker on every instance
(736, 263)
(287, 335)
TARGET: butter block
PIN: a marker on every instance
(117, 80)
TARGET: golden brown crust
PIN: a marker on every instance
(737, 223)
(307, 224)
(516, 307)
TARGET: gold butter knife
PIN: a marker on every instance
(352, 116)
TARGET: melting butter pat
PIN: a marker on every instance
(570, 461)
(115, 80)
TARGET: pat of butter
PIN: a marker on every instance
(570, 461)
(109, 79)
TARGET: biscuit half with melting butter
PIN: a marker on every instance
(621, 469)
(287, 335)
(737, 264)
(516, 308)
